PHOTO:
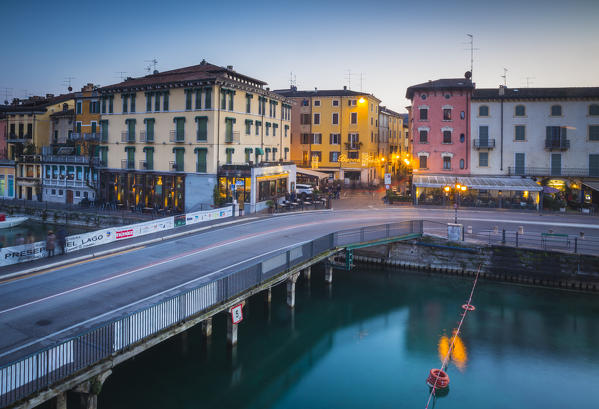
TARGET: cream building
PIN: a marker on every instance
(169, 138)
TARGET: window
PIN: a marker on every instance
(305, 103)
(446, 163)
(165, 101)
(447, 114)
(125, 103)
(188, 96)
(267, 128)
(317, 103)
(199, 98)
(110, 104)
(594, 165)
(462, 115)
(335, 119)
(148, 101)
(483, 110)
(231, 95)
(520, 110)
(248, 126)
(305, 119)
(351, 102)
(335, 103)
(334, 156)
(354, 118)
(201, 159)
(461, 163)
(422, 162)
(229, 122)
(229, 152)
(79, 107)
(354, 140)
(353, 155)
(423, 96)
(446, 136)
(424, 114)
(132, 103)
(258, 124)
(149, 158)
(594, 109)
(305, 139)
(335, 139)
(462, 138)
(556, 110)
(202, 131)
(208, 98)
(317, 138)
(157, 102)
(316, 119)
(423, 136)
(317, 156)
(593, 132)
(483, 159)
(179, 129)
(519, 132)
(520, 160)
(248, 103)
(149, 129)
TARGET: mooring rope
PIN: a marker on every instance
(457, 332)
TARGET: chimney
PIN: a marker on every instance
(49, 96)
(501, 90)
(293, 88)
(268, 88)
(230, 67)
(345, 88)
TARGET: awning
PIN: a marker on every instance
(309, 172)
(592, 185)
(259, 151)
(478, 182)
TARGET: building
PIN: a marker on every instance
(441, 126)
(86, 130)
(61, 126)
(551, 134)
(391, 140)
(3, 133)
(28, 170)
(181, 139)
(7, 179)
(336, 132)
(68, 178)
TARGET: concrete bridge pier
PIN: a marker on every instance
(307, 273)
(232, 328)
(207, 327)
(268, 296)
(60, 401)
(328, 272)
(88, 391)
(291, 289)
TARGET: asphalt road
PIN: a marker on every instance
(46, 307)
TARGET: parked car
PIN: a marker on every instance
(304, 191)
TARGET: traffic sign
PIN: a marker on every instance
(237, 314)
(387, 187)
(387, 178)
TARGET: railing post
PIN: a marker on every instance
(503, 236)
(516, 238)
(388, 227)
(575, 245)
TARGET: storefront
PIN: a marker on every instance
(492, 192)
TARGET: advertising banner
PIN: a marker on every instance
(24, 252)
(94, 238)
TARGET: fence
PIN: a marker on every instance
(25, 375)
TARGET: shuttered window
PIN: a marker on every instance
(201, 165)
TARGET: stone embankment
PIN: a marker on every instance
(516, 265)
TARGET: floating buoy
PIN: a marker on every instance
(438, 378)
(468, 307)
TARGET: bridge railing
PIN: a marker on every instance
(43, 365)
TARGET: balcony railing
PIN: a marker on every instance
(536, 171)
(66, 159)
(127, 164)
(75, 136)
(128, 137)
(177, 137)
(175, 167)
(484, 143)
(143, 165)
(233, 137)
(146, 137)
(353, 145)
(561, 144)
(92, 136)
(102, 163)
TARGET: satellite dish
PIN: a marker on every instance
(468, 75)
(70, 89)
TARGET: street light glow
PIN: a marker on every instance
(446, 188)
(361, 100)
(463, 188)
(406, 161)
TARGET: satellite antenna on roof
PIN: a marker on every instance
(361, 81)
(67, 83)
(504, 76)
(292, 80)
(121, 74)
(348, 76)
(152, 66)
(472, 49)
(528, 81)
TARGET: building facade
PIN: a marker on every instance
(165, 136)
(440, 126)
(391, 139)
(7, 179)
(3, 134)
(336, 132)
(86, 129)
(68, 179)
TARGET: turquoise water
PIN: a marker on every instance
(369, 342)
(35, 231)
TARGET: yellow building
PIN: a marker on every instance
(336, 132)
(168, 138)
(86, 129)
(391, 139)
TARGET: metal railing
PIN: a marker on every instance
(26, 375)
(175, 166)
(177, 136)
(127, 137)
(146, 137)
(536, 171)
(66, 159)
(233, 137)
(484, 143)
(560, 144)
(127, 164)
(92, 136)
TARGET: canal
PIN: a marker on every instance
(369, 342)
(33, 231)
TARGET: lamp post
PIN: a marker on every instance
(458, 189)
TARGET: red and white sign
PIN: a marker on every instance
(122, 234)
(237, 314)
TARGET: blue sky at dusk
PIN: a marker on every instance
(394, 44)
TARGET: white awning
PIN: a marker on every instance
(310, 172)
(478, 182)
(592, 185)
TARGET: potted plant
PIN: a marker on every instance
(562, 205)
(271, 206)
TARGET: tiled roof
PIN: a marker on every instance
(294, 93)
(532, 93)
(67, 113)
(446, 83)
(389, 111)
(200, 72)
(38, 105)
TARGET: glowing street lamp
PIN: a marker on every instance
(361, 100)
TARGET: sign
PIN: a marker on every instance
(387, 187)
(180, 220)
(85, 240)
(237, 314)
(387, 179)
(23, 252)
(239, 183)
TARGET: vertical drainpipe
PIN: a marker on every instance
(501, 149)
(218, 131)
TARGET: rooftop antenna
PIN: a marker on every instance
(292, 80)
(67, 83)
(121, 74)
(348, 76)
(528, 81)
(7, 92)
(152, 66)
(471, 42)
(504, 76)
(361, 81)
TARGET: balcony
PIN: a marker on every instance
(14, 138)
(146, 137)
(484, 143)
(536, 171)
(92, 137)
(175, 167)
(233, 137)
(353, 145)
(557, 144)
(128, 137)
(127, 164)
(66, 159)
(102, 163)
(75, 136)
(144, 165)
(177, 137)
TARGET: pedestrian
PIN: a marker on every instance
(30, 238)
(62, 240)
(50, 243)
(20, 239)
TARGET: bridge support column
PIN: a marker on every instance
(268, 297)
(328, 272)
(61, 401)
(291, 290)
(207, 327)
(88, 391)
(307, 273)
(232, 328)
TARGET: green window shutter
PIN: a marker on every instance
(124, 98)
(201, 166)
(149, 129)
(520, 163)
(130, 130)
(149, 157)
(130, 157)
(188, 99)
(231, 96)
(157, 101)
(179, 157)
(132, 102)
(483, 159)
(179, 129)
(223, 100)
(79, 128)
(199, 98)
(208, 101)
(202, 133)
(166, 101)
(228, 130)
(520, 132)
(148, 101)
(111, 104)
(93, 127)
(104, 155)
(104, 125)
(103, 105)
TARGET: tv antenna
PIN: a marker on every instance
(472, 49)
(348, 76)
(504, 76)
(361, 81)
(152, 66)
(6, 92)
(292, 80)
(528, 81)
(67, 83)
(121, 74)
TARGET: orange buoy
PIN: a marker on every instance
(468, 307)
(438, 378)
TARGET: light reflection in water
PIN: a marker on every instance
(459, 355)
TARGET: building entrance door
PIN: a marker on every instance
(29, 193)
(69, 197)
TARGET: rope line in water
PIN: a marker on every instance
(457, 332)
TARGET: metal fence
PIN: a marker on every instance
(26, 375)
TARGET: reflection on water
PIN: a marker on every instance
(459, 356)
(32, 231)
(369, 342)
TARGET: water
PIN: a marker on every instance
(33, 231)
(370, 341)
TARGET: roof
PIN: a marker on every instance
(479, 182)
(294, 93)
(183, 76)
(442, 84)
(66, 113)
(533, 93)
(311, 172)
(385, 110)
(38, 104)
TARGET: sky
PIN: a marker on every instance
(387, 45)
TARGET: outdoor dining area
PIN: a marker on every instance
(291, 203)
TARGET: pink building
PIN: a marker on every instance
(441, 126)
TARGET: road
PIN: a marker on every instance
(46, 307)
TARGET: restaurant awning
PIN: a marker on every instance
(592, 185)
(478, 182)
(310, 172)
